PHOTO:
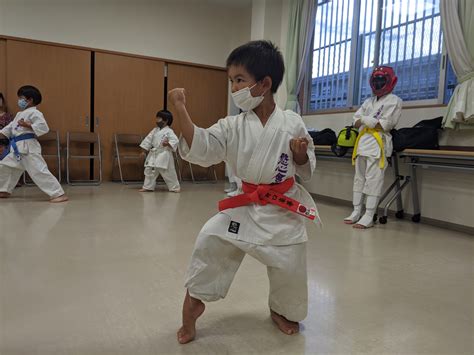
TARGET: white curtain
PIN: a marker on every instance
(301, 20)
(457, 18)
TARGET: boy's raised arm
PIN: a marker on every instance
(177, 98)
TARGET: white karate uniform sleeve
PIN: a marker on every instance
(147, 143)
(360, 112)
(388, 117)
(305, 171)
(38, 123)
(209, 145)
(7, 130)
(391, 114)
(173, 141)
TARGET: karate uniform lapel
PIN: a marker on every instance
(260, 157)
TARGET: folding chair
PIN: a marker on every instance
(87, 138)
(51, 136)
(130, 141)
(211, 172)
(177, 163)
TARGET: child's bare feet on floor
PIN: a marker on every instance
(144, 190)
(192, 310)
(62, 198)
(286, 326)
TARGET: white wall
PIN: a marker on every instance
(199, 31)
(444, 195)
(258, 20)
(270, 22)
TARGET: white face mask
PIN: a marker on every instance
(244, 100)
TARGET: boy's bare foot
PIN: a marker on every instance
(62, 198)
(144, 190)
(176, 191)
(192, 310)
(4, 195)
(348, 221)
(286, 326)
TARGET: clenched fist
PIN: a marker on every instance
(24, 123)
(299, 147)
(177, 97)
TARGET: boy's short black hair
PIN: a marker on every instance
(30, 92)
(261, 59)
(165, 115)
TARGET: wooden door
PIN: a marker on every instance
(206, 99)
(3, 66)
(64, 78)
(128, 93)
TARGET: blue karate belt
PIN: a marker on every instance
(12, 145)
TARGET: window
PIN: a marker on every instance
(351, 36)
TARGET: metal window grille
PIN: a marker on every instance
(351, 36)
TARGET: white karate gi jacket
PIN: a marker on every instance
(38, 127)
(258, 155)
(159, 156)
(387, 111)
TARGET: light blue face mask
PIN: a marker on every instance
(22, 104)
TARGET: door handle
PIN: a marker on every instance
(97, 121)
(87, 121)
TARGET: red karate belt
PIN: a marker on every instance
(268, 194)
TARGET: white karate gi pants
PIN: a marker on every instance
(169, 175)
(216, 259)
(11, 171)
(369, 177)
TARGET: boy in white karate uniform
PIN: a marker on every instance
(265, 147)
(160, 144)
(377, 116)
(24, 150)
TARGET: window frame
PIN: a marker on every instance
(305, 90)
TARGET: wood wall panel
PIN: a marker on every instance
(206, 98)
(128, 93)
(63, 76)
(3, 66)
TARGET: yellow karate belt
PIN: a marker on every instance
(375, 132)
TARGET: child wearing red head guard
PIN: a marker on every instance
(377, 116)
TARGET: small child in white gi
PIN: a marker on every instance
(24, 151)
(377, 116)
(160, 144)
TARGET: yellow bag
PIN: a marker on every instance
(347, 137)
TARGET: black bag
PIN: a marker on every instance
(325, 137)
(424, 135)
(433, 123)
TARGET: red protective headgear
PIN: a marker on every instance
(383, 80)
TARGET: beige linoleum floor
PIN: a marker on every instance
(103, 274)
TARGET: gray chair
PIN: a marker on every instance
(93, 139)
(177, 162)
(211, 172)
(122, 141)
